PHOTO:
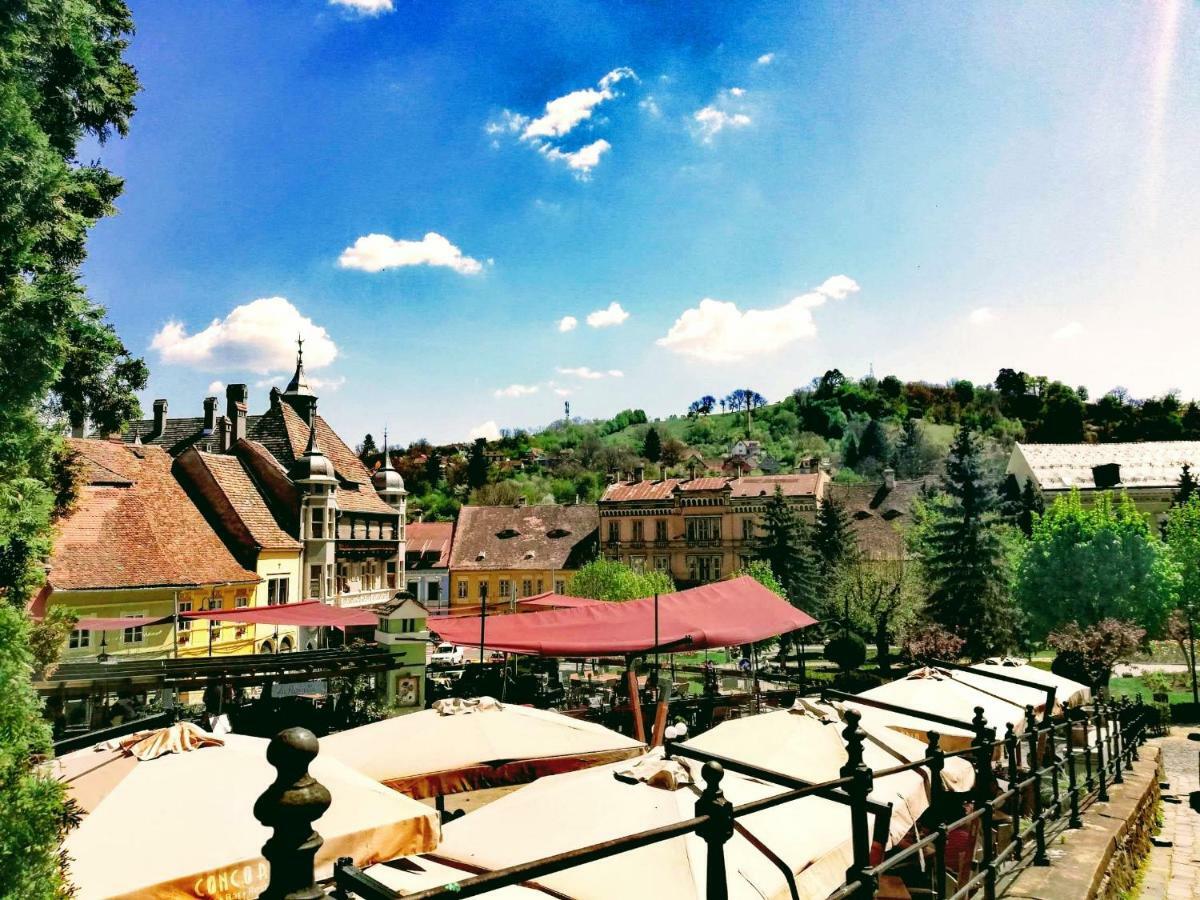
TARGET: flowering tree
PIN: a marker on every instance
(1088, 655)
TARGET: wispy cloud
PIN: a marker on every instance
(259, 336)
(717, 331)
(726, 111)
(215, 387)
(517, 390)
(1069, 331)
(580, 161)
(588, 374)
(612, 315)
(567, 323)
(488, 430)
(376, 252)
(366, 8)
(766, 59)
(985, 315)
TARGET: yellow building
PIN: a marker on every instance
(697, 530)
(501, 554)
(135, 547)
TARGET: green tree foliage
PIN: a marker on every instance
(477, 464)
(433, 469)
(607, 579)
(882, 599)
(1087, 655)
(848, 651)
(367, 449)
(1085, 564)
(1031, 507)
(962, 556)
(850, 455)
(834, 544)
(1183, 543)
(874, 445)
(1187, 486)
(783, 543)
(62, 79)
(914, 456)
(652, 445)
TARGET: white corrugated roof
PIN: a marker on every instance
(1143, 465)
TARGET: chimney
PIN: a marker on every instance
(889, 479)
(692, 469)
(611, 477)
(160, 417)
(639, 473)
(662, 472)
(77, 430)
(235, 411)
(210, 414)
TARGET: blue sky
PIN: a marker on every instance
(763, 190)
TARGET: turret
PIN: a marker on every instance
(316, 478)
(389, 483)
(297, 393)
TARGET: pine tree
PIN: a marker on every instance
(477, 464)
(1187, 486)
(833, 537)
(367, 449)
(784, 543)
(908, 460)
(850, 455)
(1031, 507)
(961, 556)
(874, 444)
(652, 447)
(433, 469)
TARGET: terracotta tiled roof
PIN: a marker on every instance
(641, 490)
(143, 533)
(712, 483)
(878, 514)
(1150, 464)
(524, 537)
(427, 544)
(243, 499)
(797, 485)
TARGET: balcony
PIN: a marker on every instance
(351, 599)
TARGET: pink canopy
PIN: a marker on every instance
(310, 613)
(714, 615)
(118, 624)
(557, 601)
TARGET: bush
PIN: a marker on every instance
(846, 651)
(932, 642)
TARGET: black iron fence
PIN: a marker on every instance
(1030, 784)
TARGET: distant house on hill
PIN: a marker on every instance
(879, 513)
(1148, 472)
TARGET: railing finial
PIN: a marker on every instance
(289, 806)
(716, 831)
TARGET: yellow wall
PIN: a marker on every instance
(152, 603)
(515, 578)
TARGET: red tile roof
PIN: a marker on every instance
(711, 483)
(524, 537)
(430, 540)
(242, 497)
(641, 490)
(141, 532)
(797, 485)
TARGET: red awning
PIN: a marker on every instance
(557, 601)
(117, 624)
(714, 615)
(310, 613)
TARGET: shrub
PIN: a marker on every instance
(847, 651)
(932, 642)
(1088, 656)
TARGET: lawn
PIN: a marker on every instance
(1180, 692)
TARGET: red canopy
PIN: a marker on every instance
(117, 624)
(714, 615)
(311, 613)
(557, 601)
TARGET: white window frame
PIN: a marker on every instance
(138, 631)
(79, 639)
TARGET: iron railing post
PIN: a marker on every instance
(289, 806)
(1116, 754)
(1089, 781)
(984, 746)
(937, 764)
(1035, 766)
(717, 831)
(859, 790)
(1128, 747)
(1072, 777)
(1052, 754)
(1101, 739)
(1011, 748)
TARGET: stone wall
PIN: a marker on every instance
(1101, 859)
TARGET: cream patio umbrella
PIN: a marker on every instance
(468, 745)
(806, 742)
(1067, 691)
(936, 691)
(169, 814)
(566, 812)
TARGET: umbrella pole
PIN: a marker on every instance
(635, 701)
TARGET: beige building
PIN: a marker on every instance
(696, 529)
(1148, 472)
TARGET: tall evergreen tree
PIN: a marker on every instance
(368, 448)
(1187, 486)
(909, 458)
(1032, 506)
(784, 543)
(433, 468)
(652, 445)
(968, 586)
(477, 464)
(874, 444)
(833, 537)
(850, 455)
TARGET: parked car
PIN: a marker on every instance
(447, 655)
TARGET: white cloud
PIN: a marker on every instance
(737, 92)
(489, 430)
(650, 107)
(1069, 331)
(589, 374)
(766, 59)
(365, 7)
(711, 120)
(564, 113)
(567, 323)
(717, 331)
(517, 390)
(580, 161)
(985, 315)
(562, 392)
(606, 318)
(259, 336)
(317, 384)
(215, 387)
(376, 252)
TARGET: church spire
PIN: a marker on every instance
(298, 394)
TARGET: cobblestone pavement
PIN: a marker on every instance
(1174, 872)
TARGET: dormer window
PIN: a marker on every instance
(557, 533)
(507, 533)
(481, 556)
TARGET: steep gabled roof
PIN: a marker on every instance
(878, 514)
(227, 492)
(140, 530)
(524, 537)
(427, 544)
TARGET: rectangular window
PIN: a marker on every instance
(660, 529)
(662, 563)
(329, 580)
(391, 574)
(136, 634)
(637, 563)
(541, 586)
(704, 528)
(505, 587)
(314, 582)
(748, 529)
(277, 590)
(241, 601)
(614, 532)
(185, 625)
(526, 588)
(435, 591)
(408, 626)
(213, 603)
(79, 639)
(483, 588)
(318, 522)
(462, 589)
(413, 588)
(559, 585)
(637, 530)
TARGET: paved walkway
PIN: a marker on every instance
(1174, 872)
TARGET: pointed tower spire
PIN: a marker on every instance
(389, 483)
(313, 465)
(297, 393)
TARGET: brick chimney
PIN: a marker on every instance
(692, 469)
(210, 414)
(639, 473)
(236, 396)
(889, 479)
(160, 417)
